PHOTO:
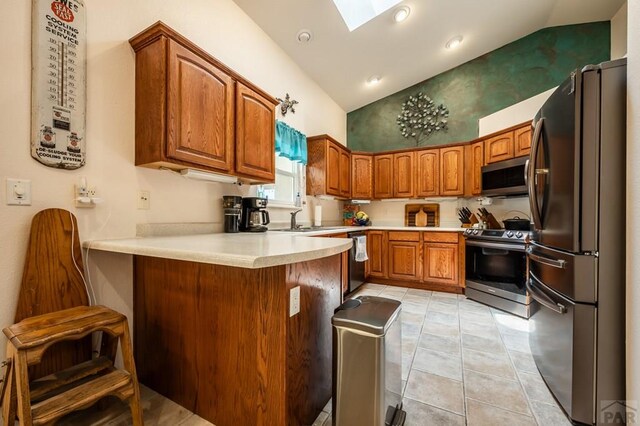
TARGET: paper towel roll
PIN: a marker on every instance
(317, 216)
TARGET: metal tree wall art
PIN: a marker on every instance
(287, 104)
(421, 117)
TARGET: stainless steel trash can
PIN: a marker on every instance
(367, 363)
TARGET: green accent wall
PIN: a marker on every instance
(484, 85)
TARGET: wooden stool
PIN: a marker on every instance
(45, 400)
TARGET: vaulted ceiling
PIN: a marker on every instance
(405, 53)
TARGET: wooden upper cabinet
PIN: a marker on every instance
(403, 175)
(427, 173)
(452, 171)
(377, 252)
(255, 135)
(361, 176)
(192, 111)
(200, 111)
(474, 160)
(333, 169)
(328, 167)
(522, 141)
(345, 173)
(383, 176)
(498, 148)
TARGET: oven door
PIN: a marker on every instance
(496, 267)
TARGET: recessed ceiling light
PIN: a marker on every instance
(304, 36)
(401, 13)
(373, 80)
(454, 42)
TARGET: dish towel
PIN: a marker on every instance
(361, 248)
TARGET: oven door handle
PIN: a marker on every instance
(542, 298)
(499, 246)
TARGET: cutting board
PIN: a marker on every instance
(421, 218)
(53, 280)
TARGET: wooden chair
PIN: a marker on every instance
(50, 344)
(45, 400)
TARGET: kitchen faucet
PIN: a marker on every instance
(293, 219)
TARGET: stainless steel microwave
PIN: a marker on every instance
(505, 178)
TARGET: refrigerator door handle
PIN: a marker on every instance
(555, 263)
(531, 176)
(542, 298)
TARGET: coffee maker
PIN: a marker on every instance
(254, 216)
(232, 206)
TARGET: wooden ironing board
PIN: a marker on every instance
(53, 280)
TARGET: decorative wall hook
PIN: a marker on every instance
(287, 104)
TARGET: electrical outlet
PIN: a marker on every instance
(294, 301)
(144, 200)
(85, 197)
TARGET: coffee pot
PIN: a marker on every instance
(254, 216)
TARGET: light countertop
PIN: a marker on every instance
(245, 250)
(342, 229)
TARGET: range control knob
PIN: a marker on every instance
(518, 234)
(475, 232)
(467, 231)
(509, 234)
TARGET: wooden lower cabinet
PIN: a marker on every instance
(427, 260)
(404, 260)
(219, 340)
(441, 263)
(377, 252)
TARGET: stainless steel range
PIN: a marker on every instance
(496, 270)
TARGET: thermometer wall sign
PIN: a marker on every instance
(58, 83)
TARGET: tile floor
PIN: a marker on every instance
(463, 363)
(466, 363)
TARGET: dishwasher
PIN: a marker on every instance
(356, 268)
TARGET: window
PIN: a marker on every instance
(289, 176)
(358, 12)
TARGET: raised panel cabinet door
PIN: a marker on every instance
(522, 141)
(498, 148)
(333, 169)
(404, 260)
(361, 176)
(255, 135)
(474, 160)
(441, 263)
(452, 171)
(403, 175)
(377, 252)
(200, 111)
(383, 176)
(428, 173)
(345, 173)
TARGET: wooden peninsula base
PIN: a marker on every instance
(219, 341)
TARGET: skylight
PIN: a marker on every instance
(358, 12)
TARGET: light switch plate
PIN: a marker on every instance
(294, 301)
(18, 192)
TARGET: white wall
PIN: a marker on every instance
(619, 33)
(633, 204)
(218, 26)
(512, 115)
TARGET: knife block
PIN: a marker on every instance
(473, 219)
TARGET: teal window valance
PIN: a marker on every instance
(290, 143)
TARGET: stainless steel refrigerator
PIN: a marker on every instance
(576, 256)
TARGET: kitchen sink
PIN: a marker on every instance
(308, 229)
